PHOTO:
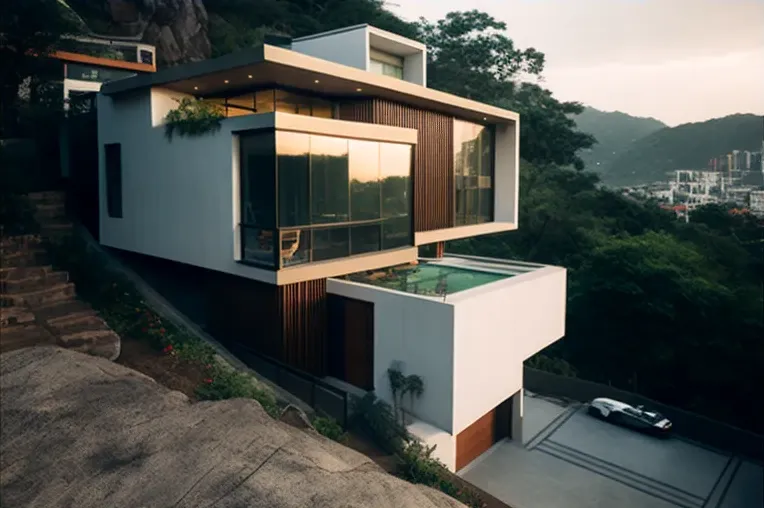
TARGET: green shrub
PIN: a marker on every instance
(121, 306)
(329, 427)
(416, 465)
(227, 383)
(193, 117)
(377, 419)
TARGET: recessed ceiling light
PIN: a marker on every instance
(485, 118)
(196, 88)
(316, 81)
(249, 76)
(359, 89)
(226, 81)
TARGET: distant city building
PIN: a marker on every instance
(756, 202)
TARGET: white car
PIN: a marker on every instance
(637, 418)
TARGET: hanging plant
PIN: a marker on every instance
(193, 117)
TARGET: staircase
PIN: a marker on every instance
(39, 305)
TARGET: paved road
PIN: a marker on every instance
(572, 460)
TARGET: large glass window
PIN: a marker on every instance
(309, 198)
(293, 151)
(330, 194)
(364, 180)
(473, 172)
(385, 64)
(268, 101)
(258, 179)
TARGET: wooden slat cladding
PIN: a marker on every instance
(360, 111)
(302, 308)
(433, 178)
(351, 339)
(475, 439)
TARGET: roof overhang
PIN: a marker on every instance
(270, 65)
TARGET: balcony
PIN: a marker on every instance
(108, 52)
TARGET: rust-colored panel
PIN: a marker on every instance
(104, 62)
(433, 178)
(475, 439)
(302, 307)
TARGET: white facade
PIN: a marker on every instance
(180, 199)
(468, 347)
(352, 46)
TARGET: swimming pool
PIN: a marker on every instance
(429, 279)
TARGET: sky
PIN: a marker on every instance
(678, 61)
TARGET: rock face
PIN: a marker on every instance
(178, 28)
(82, 431)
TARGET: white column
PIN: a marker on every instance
(517, 415)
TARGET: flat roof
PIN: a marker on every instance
(268, 65)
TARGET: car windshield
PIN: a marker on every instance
(643, 414)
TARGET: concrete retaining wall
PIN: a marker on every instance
(690, 425)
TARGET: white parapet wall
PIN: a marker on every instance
(468, 347)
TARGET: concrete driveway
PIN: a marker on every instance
(570, 459)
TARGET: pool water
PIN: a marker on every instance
(430, 279)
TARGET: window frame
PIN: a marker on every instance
(279, 232)
(478, 175)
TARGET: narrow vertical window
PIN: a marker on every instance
(113, 153)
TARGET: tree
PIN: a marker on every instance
(29, 30)
(470, 55)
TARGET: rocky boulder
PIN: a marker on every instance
(178, 28)
(82, 431)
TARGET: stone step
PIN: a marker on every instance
(61, 312)
(104, 343)
(14, 242)
(33, 283)
(86, 323)
(57, 293)
(21, 336)
(107, 346)
(21, 272)
(46, 212)
(14, 316)
(47, 197)
(26, 258)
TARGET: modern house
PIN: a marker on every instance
(302, 215)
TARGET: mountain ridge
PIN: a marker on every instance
(686, 146)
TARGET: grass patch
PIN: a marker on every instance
(121, 306)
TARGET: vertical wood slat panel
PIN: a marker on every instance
(433, 176)
(302, 307)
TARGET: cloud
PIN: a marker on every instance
(675, 92)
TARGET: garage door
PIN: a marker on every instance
(481, 435)
(475, 439)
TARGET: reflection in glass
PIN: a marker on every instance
(365, 239)
(395, 170)
(364, 180)
(257, 246)
(294, 178)
(295, 247)
(241, 105)
(473, 173)
(329, 180)
(330, 243)
(264, 101)
(396, 232)
(288, 102)
(258, 179)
